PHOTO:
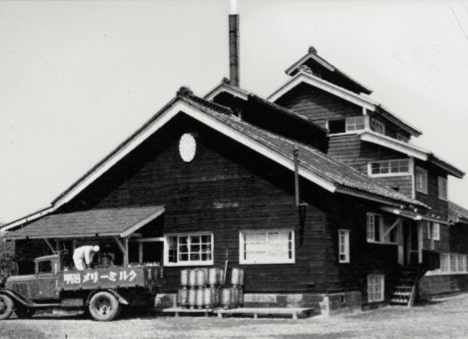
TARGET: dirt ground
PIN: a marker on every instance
(442, 318)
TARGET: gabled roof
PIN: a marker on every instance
(119, 222)
(410, 150)
(315, 166)
(313, 60)
(245, 95)
(457, 214)
(305, 77)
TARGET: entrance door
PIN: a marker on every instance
(410, 244)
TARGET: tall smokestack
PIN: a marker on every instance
(234, 44)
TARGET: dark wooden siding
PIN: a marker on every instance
(225, 189)
(352, 151)
(318, 105)
(438, 206)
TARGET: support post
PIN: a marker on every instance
(140, 253)
(125, 259)
(296, 176)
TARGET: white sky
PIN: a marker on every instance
(77, 77)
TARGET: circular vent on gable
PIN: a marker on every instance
(187, 147)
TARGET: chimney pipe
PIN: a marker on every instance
(234, 44)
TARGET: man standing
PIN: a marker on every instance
(83, 256)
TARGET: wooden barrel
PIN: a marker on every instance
(213, 277)
(200, 278)
(182, 297)
(192, 278)
(191, 298)
(184, 278)
(199, 298)
(226, 297)
(208, 297)
(237, 277)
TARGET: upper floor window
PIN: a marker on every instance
(343, 246)
(442, 183)
(402, 137)
(355, 123)
(389, 167)
(377, 126)
(378, 231)
(421, 180)
(189, 249)
(350, 124)
(266, 247)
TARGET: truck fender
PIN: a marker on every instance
(120, 299)
(16, 298)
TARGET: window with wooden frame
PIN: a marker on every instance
(355, 123)
(343, 247)
(389, 168)
(420, 179)
(188, 249)
(401, 137)
(442, 187)
(266, 247)
(377, 126)
(350, 124)
(378, 231)
(375, 287)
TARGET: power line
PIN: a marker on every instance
(458, 20)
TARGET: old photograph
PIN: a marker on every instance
(233, 169)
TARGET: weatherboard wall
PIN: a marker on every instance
(225, 189)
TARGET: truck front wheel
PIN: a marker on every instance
(103, 306)
(6, 307)
(24, 312)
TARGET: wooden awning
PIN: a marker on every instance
(413, 215)
(106, 222)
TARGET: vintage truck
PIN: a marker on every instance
(101, 291)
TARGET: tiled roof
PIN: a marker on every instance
(457, 213)
(103, 222)
(310, 158)
(271, 105)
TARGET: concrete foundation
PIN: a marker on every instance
(325, 304)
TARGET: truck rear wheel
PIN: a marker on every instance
(103, 306)
(6, 307)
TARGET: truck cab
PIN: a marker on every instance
(40, 286)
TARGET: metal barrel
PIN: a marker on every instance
(200, 278)
(226, 297)
(192, 278)
(191, 298)
(235, 296)
(213, 277)
(208, 297)
(182, 297)
(199, 298)
(184, 278)
(237, 277)
(216, 296)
